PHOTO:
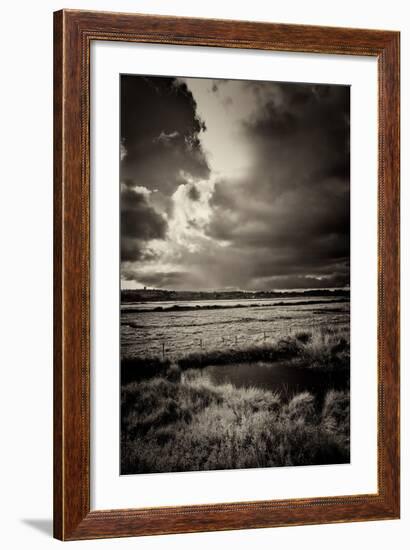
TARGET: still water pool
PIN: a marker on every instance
(281, 377)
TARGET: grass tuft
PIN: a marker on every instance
(194, 425)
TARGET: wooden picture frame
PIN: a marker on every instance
(74, 32)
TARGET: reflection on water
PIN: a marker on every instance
(281, 377)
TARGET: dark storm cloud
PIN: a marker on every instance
(140, 222)
(160, 148)
(309, 121)
(172, 279)
(335, 280)
(138, 218)
(281, 221)
(160, 133)
(293, 205)
(133, 249)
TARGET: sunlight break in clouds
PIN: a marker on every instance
(228, 153)
(234, 184)
(191, 213)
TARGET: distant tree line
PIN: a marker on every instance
(159, 295)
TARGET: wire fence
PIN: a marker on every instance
(167, 347)
(177, 345)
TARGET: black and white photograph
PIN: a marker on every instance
(235, 274)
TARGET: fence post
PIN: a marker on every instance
(163, 350)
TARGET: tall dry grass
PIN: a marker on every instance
(183, 422)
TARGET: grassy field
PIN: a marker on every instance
(174, 418)
(174, 334)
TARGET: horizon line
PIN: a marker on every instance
(306, 289)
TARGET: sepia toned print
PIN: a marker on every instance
(235, 274)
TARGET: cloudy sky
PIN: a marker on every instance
(234, 184)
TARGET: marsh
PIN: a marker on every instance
(247, 402)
